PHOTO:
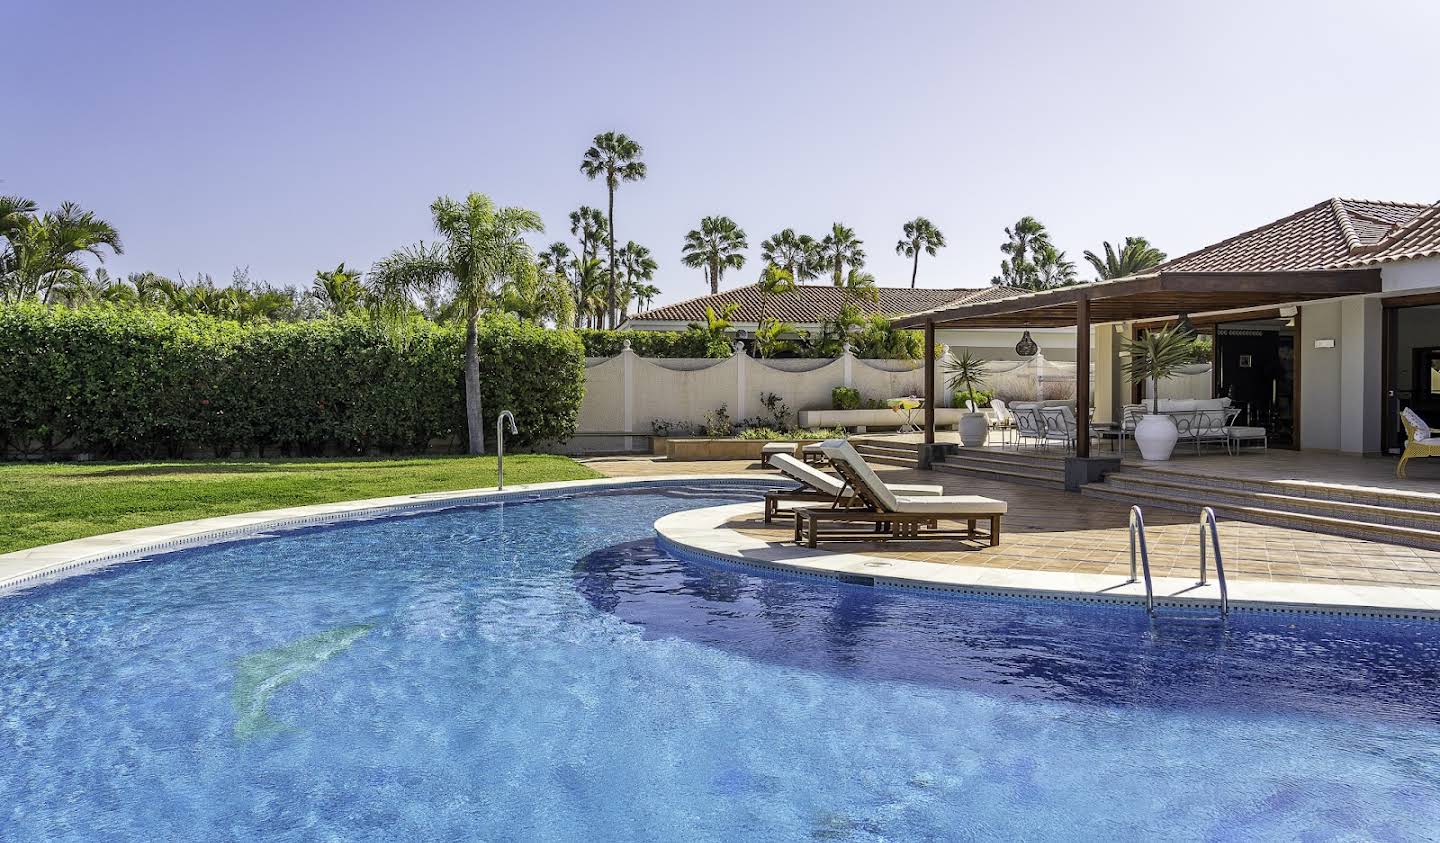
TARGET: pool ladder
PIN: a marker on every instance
(1137, 539)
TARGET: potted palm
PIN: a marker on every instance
(1155, 356)
(969, 371)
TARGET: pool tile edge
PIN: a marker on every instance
(702, 533)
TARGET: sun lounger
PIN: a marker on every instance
(817, 486)
(892, 515)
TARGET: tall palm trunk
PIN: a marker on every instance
(915, 269)
(474, 412)
(610, 298)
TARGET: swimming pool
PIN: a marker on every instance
(540, 670)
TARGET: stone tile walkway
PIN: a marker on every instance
(1059, 531)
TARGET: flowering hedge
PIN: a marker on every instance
(142, 383)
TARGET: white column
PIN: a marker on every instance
(742, 365)
(847, 359)
(627, 361)
(1360, 352)
(946, 399)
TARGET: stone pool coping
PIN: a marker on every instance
(46, 563)
(702, 533)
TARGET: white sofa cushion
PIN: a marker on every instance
(1422, 430)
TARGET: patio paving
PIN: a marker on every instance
(1051, 530)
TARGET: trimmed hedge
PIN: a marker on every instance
(143, 383)
(692, 343)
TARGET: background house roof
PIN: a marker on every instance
(1323, 236)
(813, 303)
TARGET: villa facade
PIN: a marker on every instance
(1326, 322)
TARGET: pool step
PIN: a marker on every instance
(1369, 521)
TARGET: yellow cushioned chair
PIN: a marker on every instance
(1420, 440)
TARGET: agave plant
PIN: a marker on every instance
(966, 370)
(1155, 356)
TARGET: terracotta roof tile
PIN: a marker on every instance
(1418, 238)
(1319, 237)
(812, 303)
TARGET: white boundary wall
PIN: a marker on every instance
(626, 393)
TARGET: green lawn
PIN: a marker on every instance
(52, 502)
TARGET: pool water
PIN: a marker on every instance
(542, 671)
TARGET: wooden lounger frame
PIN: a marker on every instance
(809, 521)
(802, 494)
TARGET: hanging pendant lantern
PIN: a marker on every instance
(1026, 347)
(1184, 325)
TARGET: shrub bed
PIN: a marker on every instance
(140, 383)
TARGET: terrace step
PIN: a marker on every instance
(1272, 511)
(1036, 459)
(1374, 510)
(1404, 498)
(888, 453)
(1035, 472)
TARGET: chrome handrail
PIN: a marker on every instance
(1207, 515)
(500, 445)
(1137, 525)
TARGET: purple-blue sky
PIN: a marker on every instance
(287, 136)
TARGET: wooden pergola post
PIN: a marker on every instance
(1082, 377)
(929, 382)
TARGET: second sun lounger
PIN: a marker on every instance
(892, 516)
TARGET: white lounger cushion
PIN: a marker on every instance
(951, 503)
(839, 450)
(831, 485)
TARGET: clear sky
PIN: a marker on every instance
(286, 136)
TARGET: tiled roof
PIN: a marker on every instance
(1418, 238)
(1320, 237)
(813, 303)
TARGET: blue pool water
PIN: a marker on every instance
(541, 671)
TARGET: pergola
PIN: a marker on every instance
(1158, 295)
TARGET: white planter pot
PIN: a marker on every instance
(973, 429)
(1156, 435)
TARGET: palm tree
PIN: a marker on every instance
(40, 252)
(556, 261)
(1023, 240)
(1052, 269)
(638, 265)
(588, 224)
(149, 288)
(481, 246)
(1136, 256)
(645, 296)
(589, 274)
(921, 235)
(795, 253)
(859, 286)
(717, 245)
(838, 249)
(338, 290)
(537, 295)
(775, 281)
(617, 158)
